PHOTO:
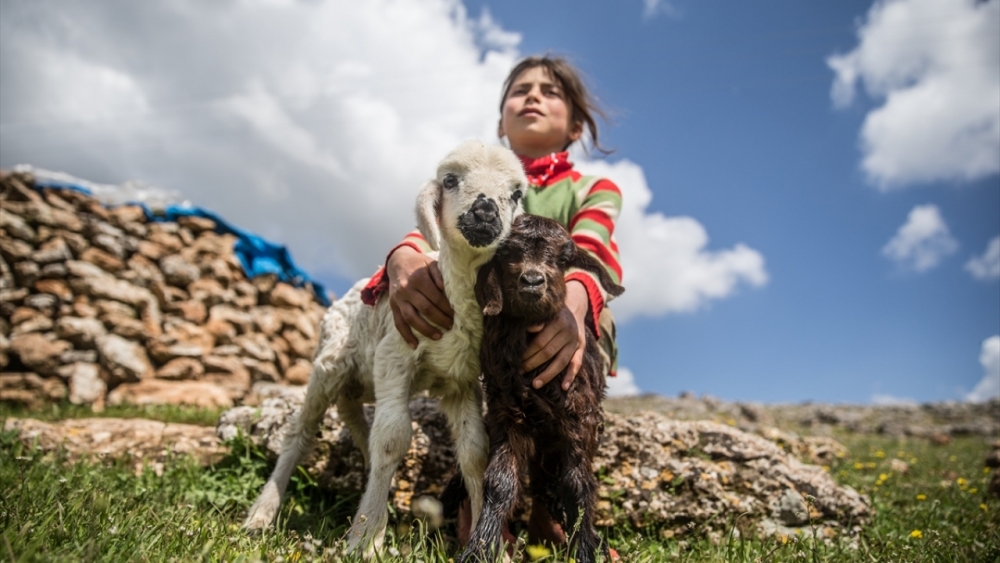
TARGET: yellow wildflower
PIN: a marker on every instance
(536, 552)
(986, 470)
(859, 465)
(870, 465)
(883, 477)
(961, 482)
(880, 454)
(913, 460)
(921, 496)
(973, 490)
(983, 506)
(952, 458)
(916, 534)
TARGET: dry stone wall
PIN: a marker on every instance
(100, 306)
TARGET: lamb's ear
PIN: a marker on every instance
(583, 260)
(489, 294)
(428, 212)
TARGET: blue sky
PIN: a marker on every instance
(317, 136)
(726, 106)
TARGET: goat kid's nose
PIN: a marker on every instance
(485, 210)
(532, 279)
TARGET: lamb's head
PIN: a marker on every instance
(526, 277)
(473, 199)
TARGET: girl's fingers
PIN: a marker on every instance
(401, 326)
(575, 363)
(413, 318)
(556, 341)
(429, 311)
(560, 361)
(431, 288)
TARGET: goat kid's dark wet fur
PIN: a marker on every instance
(549, 432)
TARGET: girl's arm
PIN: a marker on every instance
(416, 290)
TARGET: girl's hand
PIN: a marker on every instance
(561, 340)
(416, 295)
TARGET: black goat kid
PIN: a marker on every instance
(550, 432)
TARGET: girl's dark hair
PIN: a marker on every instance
(583, 104)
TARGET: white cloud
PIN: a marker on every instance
(989, 387)
(623, 385)
(936, 66)
(653, 8)
(922, 242)
(313, 123)
(883, 400)
(987, 266)
(667, 267)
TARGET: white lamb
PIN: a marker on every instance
(466, 211)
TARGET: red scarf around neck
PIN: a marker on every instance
(542, 170)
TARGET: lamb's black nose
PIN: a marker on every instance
(532, 279)
(484, 210)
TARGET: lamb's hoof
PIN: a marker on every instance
(264, 510)
(362, 540)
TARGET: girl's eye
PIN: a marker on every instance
(450, 181)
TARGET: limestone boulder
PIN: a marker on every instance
(145, 441)
(81, 332)
(86, 386)
(670, 475)
(38, 352)
(123, 359)
(159, 392)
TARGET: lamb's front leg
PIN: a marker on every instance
(389, 441)
(465, 416)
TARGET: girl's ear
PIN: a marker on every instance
(583, 260)
(576, 131)
(489, 294)
(500, 132)
(428, 211)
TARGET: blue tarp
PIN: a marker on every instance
(257, 254)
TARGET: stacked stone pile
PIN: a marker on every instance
(100, 305)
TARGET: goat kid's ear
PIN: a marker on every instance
(428, 213)
(583, 260)
(489, 294)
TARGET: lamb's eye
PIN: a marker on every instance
(450, 181)
(515, 197)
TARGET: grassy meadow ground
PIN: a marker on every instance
(55, 510)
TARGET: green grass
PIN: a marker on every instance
(54, 510)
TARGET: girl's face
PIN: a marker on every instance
(536, 115)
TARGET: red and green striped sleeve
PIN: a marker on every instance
(379, 283)
(588, 207)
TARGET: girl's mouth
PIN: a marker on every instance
(530, 111)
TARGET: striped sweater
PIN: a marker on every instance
(587, 206)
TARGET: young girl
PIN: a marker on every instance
(545, 108)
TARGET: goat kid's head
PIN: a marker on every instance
(473, 199)
(526, 277)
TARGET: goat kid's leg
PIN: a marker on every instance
(388, 443)
(298, 440)
(577, 491)
(472, 447)
(501, 489)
